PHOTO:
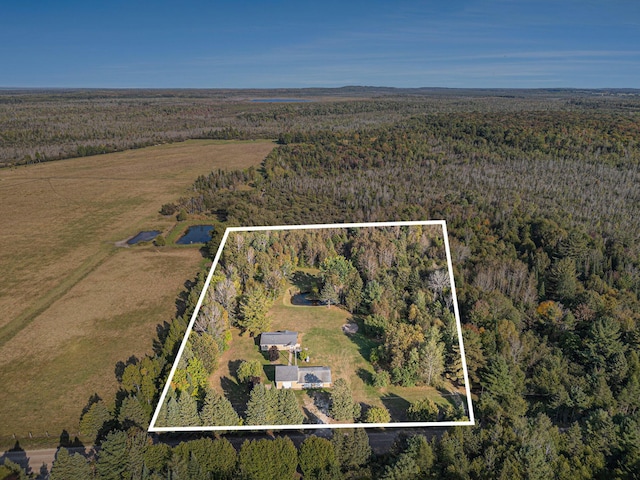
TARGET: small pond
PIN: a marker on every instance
(302, 299)
(196, 234)
(145, 236)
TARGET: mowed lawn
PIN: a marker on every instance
(72, 304)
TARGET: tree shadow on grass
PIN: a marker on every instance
(363, 342)
(237, 394)
(304, 281)
(365, 375)
(233, 367)
(397, 407)
(270, 372)
(120, 366)
(66, 442)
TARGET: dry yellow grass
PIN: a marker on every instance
(71, 303)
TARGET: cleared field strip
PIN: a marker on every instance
(72, 304)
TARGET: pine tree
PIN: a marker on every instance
(343, 406)
(206, 458)
(137, 444)
(94, 419)
(112, 460)
(132, 413)
(316, 455)
(69, 467)
(289, 412)
(156, 459)
(503, 384)
(262, 406)
(173, 411)
(217, 410)
(253, 309)
(268, 459)
(187, 411)
(351, 447)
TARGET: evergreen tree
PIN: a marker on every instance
(316, 456)
(262, 406)
(217, 410)
(12, 471)
(69, 467)
(112, 463)
(187, 411)
(137, 444)
(206, 349)
(503, 385)
(205, 458)
(173, 410)
(253, 312)
(94, 419)
(132, 413)
(268, 459)
(351, 447)
(156, 459)
(289, 412)
(343, 407)
(329, 293)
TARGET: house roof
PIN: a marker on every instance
(314, 375)
(292, 373)
(281, 337)
(286, 373)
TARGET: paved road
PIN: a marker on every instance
(380, 440)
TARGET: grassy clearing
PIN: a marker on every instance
(73, 304)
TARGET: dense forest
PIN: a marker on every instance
(541, 198)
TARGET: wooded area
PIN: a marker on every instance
(540, 194)
(392, 281)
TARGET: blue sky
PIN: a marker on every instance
(324, 43)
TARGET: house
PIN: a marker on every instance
(282, 340)
(292, 376)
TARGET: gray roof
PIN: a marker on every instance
(282, 337)
(314, 375)
(286, 373)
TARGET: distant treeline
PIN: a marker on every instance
(45, 125)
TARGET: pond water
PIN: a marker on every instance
(145, 236)
(302, 299)
(279, 100)
(196, 234)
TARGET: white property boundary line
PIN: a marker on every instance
(313, 426)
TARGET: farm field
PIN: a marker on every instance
(72, 303)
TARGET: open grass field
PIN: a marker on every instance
(71, 303)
